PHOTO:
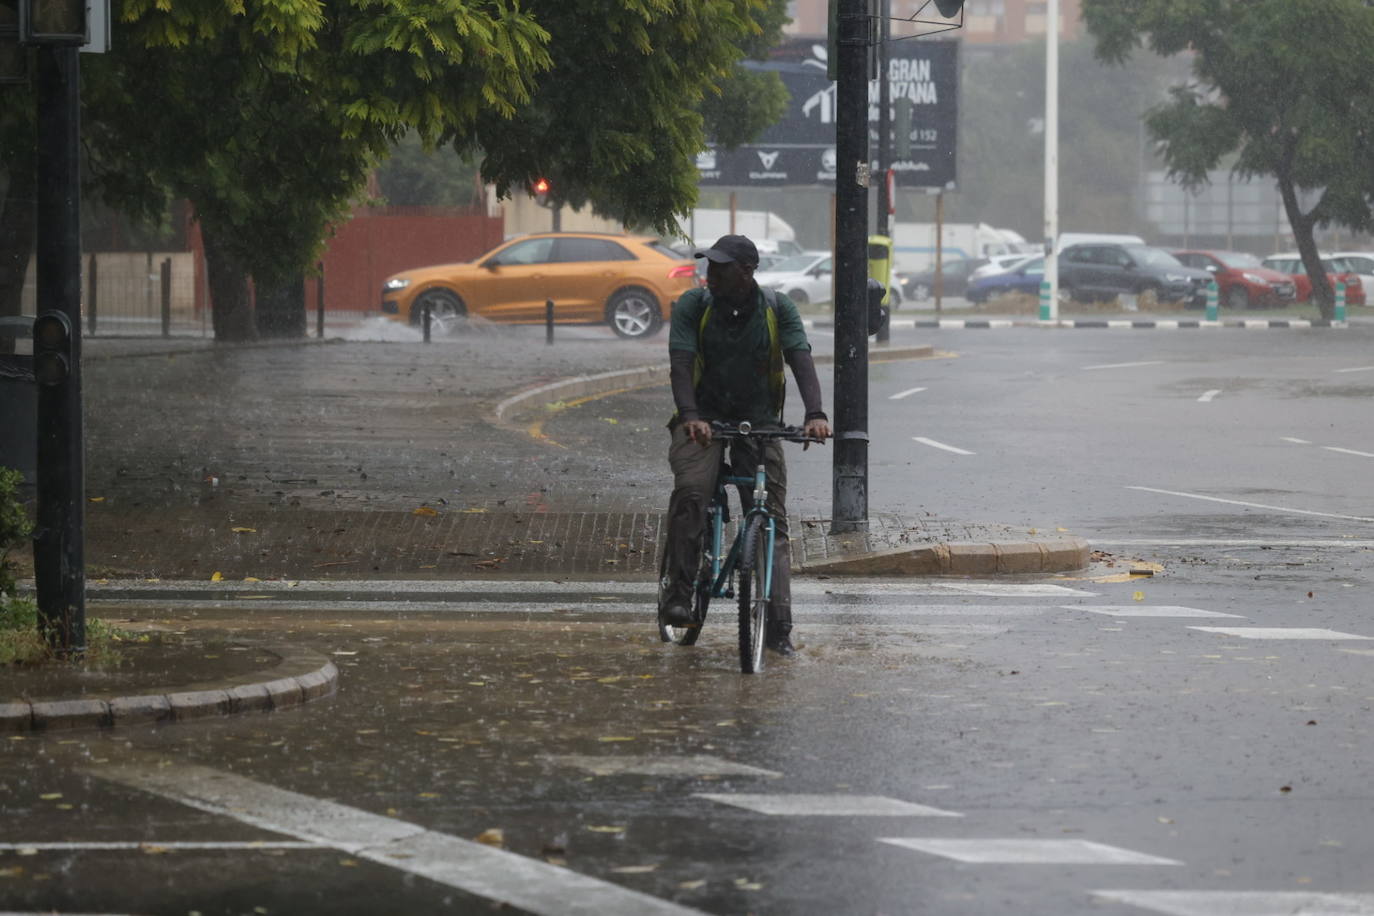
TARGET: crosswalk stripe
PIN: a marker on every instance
(661, 765)
(805, 805)
(1146, 610)
(1027, 852)
(1280, 632)
(1244, 903)
(472, 867)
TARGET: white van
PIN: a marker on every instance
(1085, 238)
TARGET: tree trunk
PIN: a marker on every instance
(1302, 225)
(17, 231)
(231, 309)
(281, 307)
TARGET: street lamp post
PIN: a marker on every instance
(56, 29)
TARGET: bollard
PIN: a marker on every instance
(548, 322)
(92, 295)
(166, 297)
(1340, 300)
(1212, 296)
(1044, 300)
(424, 319)
(319, 304)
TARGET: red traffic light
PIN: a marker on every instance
(541, 186)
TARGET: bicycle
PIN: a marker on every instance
(750, 554)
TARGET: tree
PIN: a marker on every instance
(1283, 86)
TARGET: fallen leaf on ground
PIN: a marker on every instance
(634, 869)
(217, 577)
(616, 738)
(609, 828)
(244, 530)
(424, 510)
(493, 837)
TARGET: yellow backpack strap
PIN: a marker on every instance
(699, 364)
(777, 381)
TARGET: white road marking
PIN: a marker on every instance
(921, 610)
(1150, 362)
(1162, 610)
(1028, 852)
(1295, 441)
(1280, 632)
(78, 846)
(902, 394)
(1356, 543)
(1239, 502)
(1244, 903)
(1348, 451)
(803, 805)
(933, 444)
(472, 867)
(1014, 589)
(1356, 369)
(645, 765)
(1208, 395)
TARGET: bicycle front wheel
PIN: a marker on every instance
(753, 595)
(701, 600)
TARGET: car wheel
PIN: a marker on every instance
(920, 292)
(1237, 298)
(634, 313)
(446, 309)
(798, 297)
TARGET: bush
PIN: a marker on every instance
(14, 527)
(19, 639)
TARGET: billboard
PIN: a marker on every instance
(800, 149)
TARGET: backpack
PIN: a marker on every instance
(777, 380)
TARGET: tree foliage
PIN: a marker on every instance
(1282, 86)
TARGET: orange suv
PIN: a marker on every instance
(629, 282)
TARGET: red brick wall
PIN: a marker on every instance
(379, 242)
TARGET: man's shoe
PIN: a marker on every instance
(675, 615)
(781, 645)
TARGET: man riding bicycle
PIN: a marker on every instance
(726, 348)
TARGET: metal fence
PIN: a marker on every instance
(136, 293)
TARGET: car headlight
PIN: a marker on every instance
(1177, 278)
(395, 283)
(1253, 278)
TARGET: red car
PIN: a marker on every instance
(1336, 270)
(1242, 281)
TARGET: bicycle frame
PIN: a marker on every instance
(723, 570)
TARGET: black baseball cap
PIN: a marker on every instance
(732, 248)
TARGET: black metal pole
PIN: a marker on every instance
(884, 148)
(319, 304)
(58, 539)
(165, 283)
(849, 510)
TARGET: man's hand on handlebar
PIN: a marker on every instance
(699, 431)
(817, 430)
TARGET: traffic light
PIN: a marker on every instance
(52, 348)
(949, 8)
(541, 192)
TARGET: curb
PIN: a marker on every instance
(301, 676)
(542, 398)
(960, 559)
(1251, 324)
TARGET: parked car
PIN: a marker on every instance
(1025, 277)
(1106, 270)
(1362, 263)
(1290, 262)
(1242, 281)
(1001, 263)
(629, 282)
(803, 278)
(954, 279)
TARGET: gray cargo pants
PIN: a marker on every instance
(694, 483)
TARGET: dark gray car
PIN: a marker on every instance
(1096, 271)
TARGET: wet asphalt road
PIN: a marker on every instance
(1238, 763)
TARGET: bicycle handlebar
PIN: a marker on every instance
(746, 430)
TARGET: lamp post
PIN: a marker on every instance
(56, 29)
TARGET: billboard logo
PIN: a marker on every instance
(706, 159)
(768, 158)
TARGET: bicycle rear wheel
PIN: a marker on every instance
(701, 599)
(753, 595)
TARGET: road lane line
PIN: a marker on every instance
(474, 868)
(1295, 441)
(1280, 632)
(838, 805)
(933, 444)
(1019, 851)
(1151, 362)
(1252, 903)
(902, 394)
(77, 846)
(1356, 369)
(1348, 451)
(1240, 502)
(1208, 395)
